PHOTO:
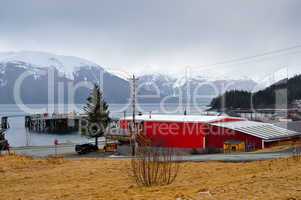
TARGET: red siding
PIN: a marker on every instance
(191, 135)
(123, 124)
(217, 136)
(175, 134)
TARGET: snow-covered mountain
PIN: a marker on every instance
(65, 65)
(69, 70)
(66, 70)
(194, 85)
(156, 83)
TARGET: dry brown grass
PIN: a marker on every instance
(56, 178)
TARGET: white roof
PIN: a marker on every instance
(177, 118)
(258, 129)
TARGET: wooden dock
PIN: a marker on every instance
(62, 123)
(53, 123)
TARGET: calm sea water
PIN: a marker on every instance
(18, 136)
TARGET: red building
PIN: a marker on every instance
(201, 132)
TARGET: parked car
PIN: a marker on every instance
(85, 148)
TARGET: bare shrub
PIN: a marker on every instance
(154, 166)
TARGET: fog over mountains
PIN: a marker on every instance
(38, 75)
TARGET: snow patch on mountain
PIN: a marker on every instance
(180, 82)
(169, 85)
(66, 65)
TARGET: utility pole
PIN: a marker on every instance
(134, 94)
(188, 95)
(134, 81)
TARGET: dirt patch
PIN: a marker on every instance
(56, 178)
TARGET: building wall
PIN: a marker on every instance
(216, 137)
(175, 134)
(193, 135)
(124, 124)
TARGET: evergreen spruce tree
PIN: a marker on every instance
(98, 114)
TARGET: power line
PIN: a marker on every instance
(263, 59)
(231, 61)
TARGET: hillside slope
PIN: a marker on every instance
(280, 93)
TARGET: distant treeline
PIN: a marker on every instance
(262, 99)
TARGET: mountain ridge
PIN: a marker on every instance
(74, 70)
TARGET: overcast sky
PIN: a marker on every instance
(163, 36)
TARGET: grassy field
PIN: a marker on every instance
(55, 178)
